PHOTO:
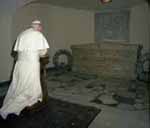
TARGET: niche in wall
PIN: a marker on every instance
(112, 26)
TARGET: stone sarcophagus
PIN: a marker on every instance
(106, 59)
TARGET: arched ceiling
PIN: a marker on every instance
(91, 4)
(78, 4)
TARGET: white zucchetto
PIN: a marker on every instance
(36, 22)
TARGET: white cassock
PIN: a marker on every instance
(25, 88)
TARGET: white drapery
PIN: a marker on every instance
(25, 88)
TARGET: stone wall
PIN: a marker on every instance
(106, 59)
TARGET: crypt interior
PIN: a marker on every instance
(98, 71)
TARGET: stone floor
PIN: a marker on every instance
(129, 112)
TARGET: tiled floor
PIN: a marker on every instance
(82, 89)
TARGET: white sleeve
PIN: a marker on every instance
(45, 42)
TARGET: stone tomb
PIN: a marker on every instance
(106, 59)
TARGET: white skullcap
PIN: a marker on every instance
(36, 22)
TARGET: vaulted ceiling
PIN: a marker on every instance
(78, 4)
(92, 4)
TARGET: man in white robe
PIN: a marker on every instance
(25, 88)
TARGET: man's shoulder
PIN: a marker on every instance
(30, 32)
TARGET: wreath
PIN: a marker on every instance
(61, 65)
